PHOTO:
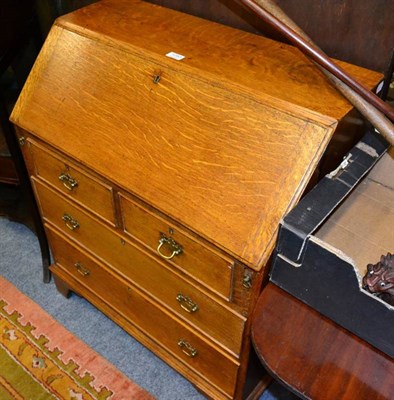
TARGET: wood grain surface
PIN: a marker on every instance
(260, 64)
(138, 315)
(208, 145)
(97, 196)
(196, 259)
(196, 149)
(357, 32)
(313, 356)
(215, 317)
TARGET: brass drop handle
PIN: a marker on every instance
(70, 222)
(187, 348)
(187, 303)
(81, 269)
(68, 181)
(174, 247)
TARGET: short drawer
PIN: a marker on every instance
(178, 248)
(195, 307)
(184, 344)
(73, 182)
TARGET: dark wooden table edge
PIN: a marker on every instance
(387, 385)
(273, 374)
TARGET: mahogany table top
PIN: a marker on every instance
(314, 357)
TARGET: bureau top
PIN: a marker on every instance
(257, 63)
(224, 141)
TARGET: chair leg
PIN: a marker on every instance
(27, 190)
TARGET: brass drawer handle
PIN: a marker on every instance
(187, 348)
(175, 248)
(81, 269)
(187, 303)
(69, 182)
(70, 222)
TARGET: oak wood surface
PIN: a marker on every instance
(357, 32)
(219, 324)
(155, 322)
(196, 259)
(106, 244)
(96, 195)
(250, 60)
(209, 143)
(62, 287)
(189, 146)
(208, 149)
(209, 390)
(313, 356)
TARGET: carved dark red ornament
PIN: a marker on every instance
(379, 279)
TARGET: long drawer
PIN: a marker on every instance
(197, 308)
(187, 346)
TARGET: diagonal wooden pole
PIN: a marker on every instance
(372, 114)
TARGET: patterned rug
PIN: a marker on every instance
(40, 359)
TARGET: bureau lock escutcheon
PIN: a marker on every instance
(247, 280)
(156, 78)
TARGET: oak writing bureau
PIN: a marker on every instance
(164, 150)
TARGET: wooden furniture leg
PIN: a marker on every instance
(62, 287)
